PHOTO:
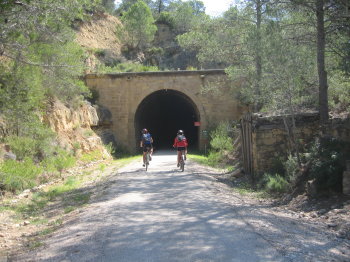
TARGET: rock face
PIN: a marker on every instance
(73, 127)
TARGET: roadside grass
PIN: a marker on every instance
(205, 160)
(200, 159)
(45, 210)
(70, 194)
(246, 189)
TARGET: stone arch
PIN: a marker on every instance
(164, 112)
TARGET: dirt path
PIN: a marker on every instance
(167, 215)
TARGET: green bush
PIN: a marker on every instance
(36, 141)
(276, 183)
(220, 139)
(125, 67)
(291, 168)
(15, 175)
(214, 158)
(63, 161)
(221, 144)
(111, 149)
(22, 147)
(339, 92)
(328, 157)
(166, 18)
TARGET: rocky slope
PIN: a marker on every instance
(73, 127)
(99, 38)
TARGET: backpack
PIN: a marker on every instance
(146, 138)
(181, 138)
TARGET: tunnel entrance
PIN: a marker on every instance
(163, 113)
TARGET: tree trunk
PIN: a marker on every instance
(258, 65)
(322, 74)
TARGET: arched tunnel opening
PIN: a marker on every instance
(163, 113)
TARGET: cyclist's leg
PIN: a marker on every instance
(144, 150)
(183, 157)
(178, 157)
(150, 153)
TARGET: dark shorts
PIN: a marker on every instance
(147, 148)
(181, 148)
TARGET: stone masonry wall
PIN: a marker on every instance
(270, 141)
(122, 93)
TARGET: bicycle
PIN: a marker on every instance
(148, 157)
(182, 161)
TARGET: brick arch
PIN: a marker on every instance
(165, 111)
(123, 93)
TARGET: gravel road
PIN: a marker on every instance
(165, 215)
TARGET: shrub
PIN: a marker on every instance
(328, 163)
(276, 183)
(92, 156)
(35, 141)
(220, 139)
(22, 146)
(166, 18)
(291, 168)
(339, 92)
(63, 161)
(111, 149)
(221, 145)
(125, 67)
(214, 158)
(17, 175)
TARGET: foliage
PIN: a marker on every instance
(328, 156)
(185, 14)
(291, 168)
(91, 156)
(63, 160)
(339, 92)
(19, 175)
(15, 175)
(221, 144)
(34, 141)
(111, 149)
(126, 67)
(139, 25)
(109, 5)
(220, 139)
(276, 183)
(166, 18)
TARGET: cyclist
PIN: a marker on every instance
(181, 144)
(146, 144)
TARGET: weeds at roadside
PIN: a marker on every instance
(46, 210)
(205, 160)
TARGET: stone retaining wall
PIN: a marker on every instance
(270, 140)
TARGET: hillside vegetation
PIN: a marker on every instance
(289, 56)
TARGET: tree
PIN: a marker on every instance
(139, 25)
(126, 4)
(109, 5)
(186, 14)
(39, 58)
(330, 17)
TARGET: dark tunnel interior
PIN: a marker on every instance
(163, 113)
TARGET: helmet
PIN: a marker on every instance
(144, 131)
(180, 132)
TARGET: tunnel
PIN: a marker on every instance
(163, 113)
